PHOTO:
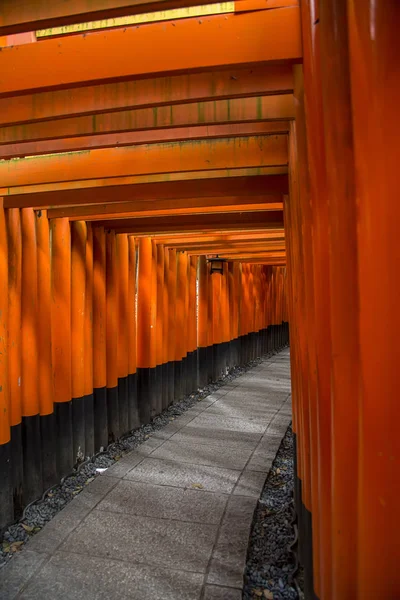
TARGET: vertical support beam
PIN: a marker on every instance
(202, 323)
(216, 324)
(172, 331)
(122, 250)
(31, 442)
(192, 323)
(61, 340)
(88, 341)
(134, 420)
(45, 372)
(143, 328)
(6, 495)
(374, 59)
(99, 339)
(180, 350)
(78, 290)
(342, 238)
(112, 336)
(13, 221)
(165, 336)
(159, 326)
(154, 406)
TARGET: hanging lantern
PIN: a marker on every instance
(216, 264)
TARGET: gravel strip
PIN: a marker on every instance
(270, 562)
(40, 512)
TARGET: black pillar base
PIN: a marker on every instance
(202, 367)
(123, 405)
(210, 363)
(144, 397)
(32, 455)
(6, 487)
(153, 392)
(100, 418)
(48, 449)
(78, 428)
(89, 424)
(64, 440)
(17, 471)
(178, 387)
(113, 414)
(164, 385)
(171, 382)
(159, 389)
(134, 419)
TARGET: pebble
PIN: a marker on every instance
(40, 512)
(270, 563)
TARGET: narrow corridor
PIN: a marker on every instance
(170, 520)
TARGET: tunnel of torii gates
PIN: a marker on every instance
(137, 144)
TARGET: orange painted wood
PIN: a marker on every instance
(111, 310)
(45, 371)
(132, 305)
(4, 372)
(99, 308)
(165, 300)
(26, 16)
(193, 261)
(187, 185)
(202, 326)
(78, 302)
(270, 35)
(144, 303)
(61, 309)
(160, 305)
(172, 283)
(259, 80)
(344, 290)
(142, 160)
(150, 136)
(321, 267)
(218, 222)
(239, 110)
(181, 280)
(14, 241)
(150, 209)
(89, 327)
(124, 308)
(374, 54)
(29, 320)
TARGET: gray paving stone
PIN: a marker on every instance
(243, 410)
(79, 577)
(216, 592)
(201, 435)
(250, 483)
(207, 421)
(16, 573)
(164, 502)
(201, 454)
(229, 556)
(144, 540)
(163, 472)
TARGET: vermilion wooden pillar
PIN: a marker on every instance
(88, 377)
(6, 489)
(78, 301)
(143, 328)
(45, 373)
(99, 339)
(375, 95)
(123, 330)
(13, 221)
(172, 331)
(61, 340)
(311, 28)
(344, 304)
(134, 420)
(112, 336)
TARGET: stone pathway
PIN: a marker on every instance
(170, 520)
